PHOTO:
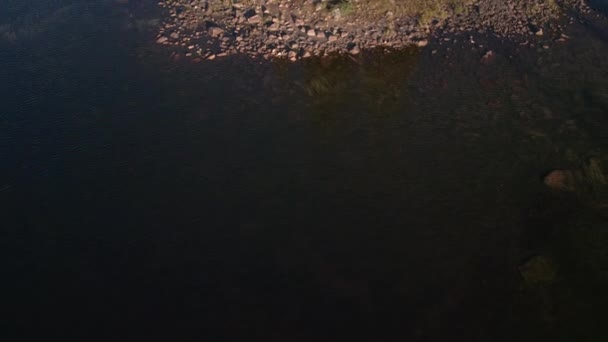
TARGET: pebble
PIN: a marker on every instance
(244, 28)
(215, 31)
(254, 19)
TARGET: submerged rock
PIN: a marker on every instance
(488, 58)
(560, 180)
(588, 181)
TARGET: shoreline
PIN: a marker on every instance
(209, 29)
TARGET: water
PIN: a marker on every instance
(385, 197)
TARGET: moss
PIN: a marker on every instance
(432, 13)
(346, 8)
(538, 271)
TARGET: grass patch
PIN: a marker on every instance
(346, 7)
(425, 10)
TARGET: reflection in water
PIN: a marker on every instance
(377, 76)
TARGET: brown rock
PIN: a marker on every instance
(488, 58)
(560, 180)
(215, 31)
(422, 43)
(274, 27)
(256, 19)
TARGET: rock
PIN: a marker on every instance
(162, 40)
(274, 27)
(539, 32)
(212, 57)
(256, 19)
(311, 33)
(332, 38)
(321, 35)
(354, 50)
(422, 43)
(538, 271)
(249, 13)
(488, 58)
(174, 35)
(215, 31)
(560, 180)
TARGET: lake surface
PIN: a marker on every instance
(379, 198)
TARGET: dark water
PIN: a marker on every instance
(382, 198)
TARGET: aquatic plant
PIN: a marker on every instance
(539, 270)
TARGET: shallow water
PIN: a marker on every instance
(382, 197)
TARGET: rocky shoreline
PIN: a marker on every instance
(209, 29)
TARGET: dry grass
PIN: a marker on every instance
(425, 10)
